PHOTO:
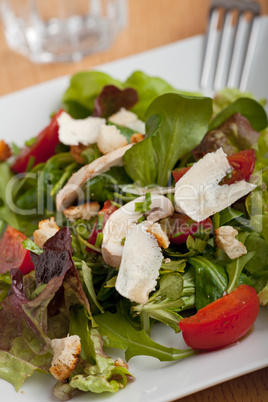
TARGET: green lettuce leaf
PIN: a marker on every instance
(179, 124)
(211, 281)
(78, 99)
(249, 108)
(119, 333)
(235, 268)
(103, 376)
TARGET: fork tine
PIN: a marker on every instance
(238, 41)
(210, 45)
(224, 45)
(253, 35)
(236, 49)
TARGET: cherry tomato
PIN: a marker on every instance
(42, 149)
(180, 226)
(12, 252)
(242, 165)
(222, 322)
(103, 216)
(177, 174)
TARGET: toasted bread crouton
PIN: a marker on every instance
(76, 152)
(110, 139)
(66, 356)
(120, 363)
(226, 241)
(137, 137)
(85, 211)
(5, 151)
(159, 234)
(47, 229)
(48, 224)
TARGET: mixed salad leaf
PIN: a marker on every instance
(65, 285)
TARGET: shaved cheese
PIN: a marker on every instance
(140, 265)
(128, 119)
(198, 193)
(122, 220)
(79, 131)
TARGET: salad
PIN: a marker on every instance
(137, 205)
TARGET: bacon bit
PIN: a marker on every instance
(137, 137)
(5, 151)
(76, 151)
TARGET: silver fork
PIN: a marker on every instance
(229, 51)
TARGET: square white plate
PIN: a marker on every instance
(25, 113)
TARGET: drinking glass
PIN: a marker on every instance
(61, 30)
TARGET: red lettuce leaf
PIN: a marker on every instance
(27, 323)
(111, 99)
(234, 135)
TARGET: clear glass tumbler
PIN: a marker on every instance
(61, 30)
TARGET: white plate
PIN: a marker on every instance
(24, 113)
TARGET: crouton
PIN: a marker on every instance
(85, 211)
(226, 241)
(46, 229)
(120, 363)
(159, 234)
(66, 355)
(5, 151)
(137, 137)
(76, 151)
(110, 139)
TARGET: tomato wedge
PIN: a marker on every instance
(42, 149)
(103, 216)
(12, 252)
(242, 164)
(223, 321)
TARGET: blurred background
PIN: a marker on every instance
(150, 23)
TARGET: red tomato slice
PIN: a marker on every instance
(106, 211)
(12, 252)
(181, 226)
(242, 164)
(222, 322)
(42, 149)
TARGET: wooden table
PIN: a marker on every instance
(152, 23)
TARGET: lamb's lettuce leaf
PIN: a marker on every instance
(179, 124)
(249, 108)
(226, 96)
(211, 281)
(235, 268)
